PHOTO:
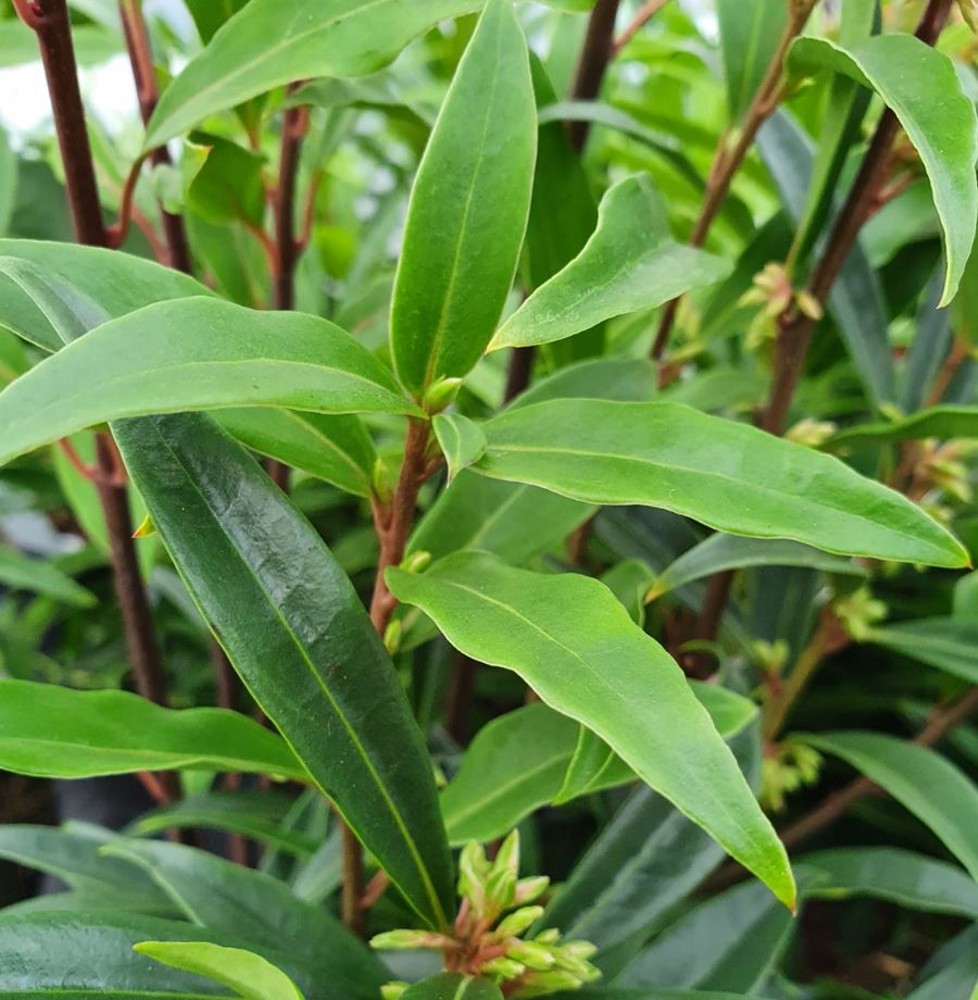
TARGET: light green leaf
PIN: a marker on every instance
(468, 210)
(727, 475)
(749, 34)
(922, 89)
(567, 636)
(8, 181)
(452, 986)
(20, 572)
(262, 578)
(210, 16)
(51, 732)
(248, 974)
(335, 448)
(943, 422)
(937, 792)
(461, 440)
(631, 263)
(92, 44)
(259, 910)
(719, 553)
(949, 644)
(193, 354)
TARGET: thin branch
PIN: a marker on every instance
(593, 65)
(730, 158)
(294, 128)
(645, 14)
(118, 231)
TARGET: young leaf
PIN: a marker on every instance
(922, 89)
(51, 732)
(461, 440)
(250, 975)
(193, 354)
(749, 34)
(631, 263)
(747, 482)
(949, 644)
(20, 572)
(936, 791)
(259, 910)
(568, 637)
(468, 210)
(262, 577)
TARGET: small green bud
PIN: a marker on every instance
(473, 871)
(538, 984)
(580, 949)
(407, 940)
(393, 635)
(146, 528)
(531, 954)
(501, 884)
(505, 968)
(393, 991)
(577, 967)
(550, 936)
(441, 394)
(528, 890)
(520, 921)
(416, 562)
(380, 481)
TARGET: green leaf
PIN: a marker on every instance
(468, 210)
(631, 263)
(719, 553)
(902, 877)
(727, 475)
(193, 354)
(117, 282)
(20, 572)
(749, 34)
(943, 422)
(92, 44)
(452, 986)
(937, 792)
(922, 89)
(8, 181)
(209, 15)
(567, 636)
(259, 815)
(462, 441)
(52, 732)
(228, 187)
(262, 578)
(335, 448)
(949, 644)
(253, 907)
(248, 974)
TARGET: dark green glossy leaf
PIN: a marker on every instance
(631, 263)
(949, 644)
(567, 636)
(921, 87)
(253, 907)
(936, 791)
(250, 975)
(468, 209)
(20, 572)
(193, 354)
(451, 986)
(296, 631)
(52, 732)
(724, 552)
(729, 476)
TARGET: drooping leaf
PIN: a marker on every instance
(936, 791)
(744, 482)
(631, 263)
(468, 210)
(296, 631)
(250, 975)
(749, 34)
(720, 552)
(20, 572)
(52, 732)
(922, 89)
(943, 422)
(193, 354)
(462, 441)
(949, 644)
(567, 636)
(452, 986)
(228, 186)
(253, 907)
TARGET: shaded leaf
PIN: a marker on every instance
(452, 986)
(20, 572)
(949, 644)
(943, 422)
(462, 441)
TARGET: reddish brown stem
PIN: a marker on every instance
(645, 14)
(520, 369)
(593, 64)
(294, 127)
(353, 890)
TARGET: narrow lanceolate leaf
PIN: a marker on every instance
(52, 732)
(462, 441)
(937, 792)
(745, 483)
(749, 35)
(452, 986)
(117, 282)
(949, 644)
(20, 572)
(335, 448)
(943, 422)
(574, 643)
(719, 553)
(259, 910)
(250, 975)
(468, 210)
(922, 89)
(629, 264)
(297, 633)
(193, 354)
